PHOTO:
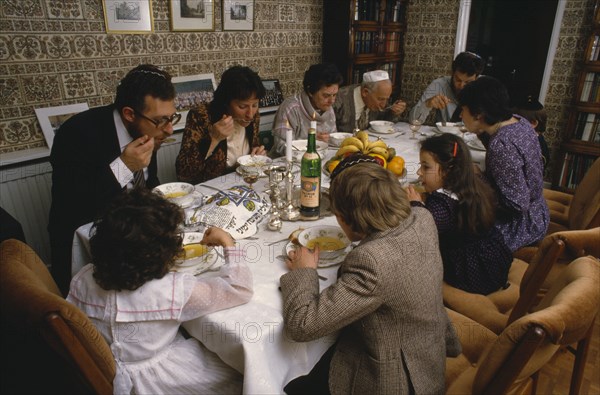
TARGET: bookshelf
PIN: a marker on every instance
(365, 35)
(582, 143)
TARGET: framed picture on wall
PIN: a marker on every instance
(192, 15)
(238, 14)
(190, 91)
(273, 95)
(128, 16)
(51, 118)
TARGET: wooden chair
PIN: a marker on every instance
(578, 211)
(47, 331)
(508, 363)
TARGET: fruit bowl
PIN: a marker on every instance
(331, 239)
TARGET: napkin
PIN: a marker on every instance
(238, 210)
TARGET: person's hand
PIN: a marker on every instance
(138, 153)
(398, 107)
(223, 128)
(323, 136)
(217, 237)
(301, 257)
(438, 101)
(413, 195)
(260, 150)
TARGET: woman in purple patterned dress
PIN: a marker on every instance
(514, 165)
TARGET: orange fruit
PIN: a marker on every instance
(396, 165)
(380, 159)
(332, 165)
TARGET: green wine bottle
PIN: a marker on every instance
(310, 178)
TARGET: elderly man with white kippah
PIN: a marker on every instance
(357, 105)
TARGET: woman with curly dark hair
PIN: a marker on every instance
(219, 132)
(138, 303)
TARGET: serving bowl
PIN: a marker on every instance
(336, 139)
(299, 148)
(382, 126)
(180, 193)
(254, 163)
(451, 127)
(332, 240)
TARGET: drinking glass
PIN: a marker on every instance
(415, 125)
(250, 177)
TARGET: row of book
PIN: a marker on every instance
(392, 42)
(368, 10)
(590, 91)
(586, 128)
(574, 168)
(595, 50)
(365, 42)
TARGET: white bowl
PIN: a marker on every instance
(299, 148)
(336, 139)
(198, 258)
(451, 127)
(180, 193)
(254, 163)
(382, 126)
(332, 240)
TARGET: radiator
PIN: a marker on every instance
(25, 194)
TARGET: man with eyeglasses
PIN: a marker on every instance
(101, 152)
(442, 92)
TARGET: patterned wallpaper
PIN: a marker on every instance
(56, 52)
(429, 46)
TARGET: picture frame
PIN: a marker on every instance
(238, 14)
(190, 91)
(192, 15)
(273, 95)
(51, 118)
(128, 16)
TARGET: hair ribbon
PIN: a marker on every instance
(455, 149)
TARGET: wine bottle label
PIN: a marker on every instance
(309, 192)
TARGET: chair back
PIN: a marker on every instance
(584, 211)
(564, 316)
(32, 305)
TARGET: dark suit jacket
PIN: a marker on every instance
(387, 304)
(82, 180)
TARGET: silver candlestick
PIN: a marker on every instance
(290, 212)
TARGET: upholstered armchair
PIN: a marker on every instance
(578, 211)
(508, 362)
(50, 346)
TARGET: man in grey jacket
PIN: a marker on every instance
(357, 105)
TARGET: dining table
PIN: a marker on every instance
(251, 337)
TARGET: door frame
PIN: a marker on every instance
(463, 26)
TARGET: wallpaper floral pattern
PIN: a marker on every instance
(57, 52)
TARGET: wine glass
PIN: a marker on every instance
(415, 125)
(250, 177)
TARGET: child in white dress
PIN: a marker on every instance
(138, 304)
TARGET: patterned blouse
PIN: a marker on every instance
(477, 264)
(514, 167)
(191, 165)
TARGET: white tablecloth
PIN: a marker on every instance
(250, 337)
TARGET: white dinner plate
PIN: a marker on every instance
(389, 131)
(199, 264)
(322, 262)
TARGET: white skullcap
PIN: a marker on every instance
(375, 75)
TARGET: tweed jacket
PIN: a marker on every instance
(387, 305)
(82, 180)
(345, 112)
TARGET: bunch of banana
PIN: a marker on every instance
(360, 144)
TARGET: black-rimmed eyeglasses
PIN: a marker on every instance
(164, 121)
